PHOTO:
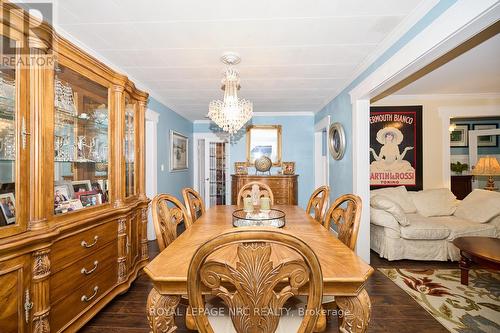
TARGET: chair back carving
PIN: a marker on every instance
(317, 202)
(168, 212)
(254, 282)
(255, 190)
(346, 218)
(194, 204)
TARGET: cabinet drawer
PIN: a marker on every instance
(73, 248)
(276, 183)
(80, 272)
(280, 192)
(74, 303)
(282, 201)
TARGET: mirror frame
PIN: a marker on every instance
(249, 136)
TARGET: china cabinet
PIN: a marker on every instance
(73, 211)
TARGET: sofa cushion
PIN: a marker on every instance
(461, 227)
(399, 195)
(384, 219)
(422, 227)
(479, 206)
(384, 203)
(435, 202)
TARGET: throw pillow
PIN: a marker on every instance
(435, 202)
(479, 206)
(386, 204)
(399, 195)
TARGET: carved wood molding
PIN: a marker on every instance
(161, 311)
(41, 264)
(317, 202)
(122, 249)
(41, 323)
(41, 308)
(144, 239)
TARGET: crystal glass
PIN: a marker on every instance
(7, 142)
(130, 109)
(81, 137)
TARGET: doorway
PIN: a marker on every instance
(321, 172)
(211, 174)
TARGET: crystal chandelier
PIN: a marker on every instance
(231, 113)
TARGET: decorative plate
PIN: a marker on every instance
(336, 141)
(263, 164)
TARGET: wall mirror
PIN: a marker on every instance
(264, 140)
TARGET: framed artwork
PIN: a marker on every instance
(8, 208)
(240, 168)
(288, 168)
(486, 140)
(264, 140)
(396, 147)
(81, 185)
(68, 206)
(459, 136)
(178, 151)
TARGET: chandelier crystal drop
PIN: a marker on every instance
(231, 113)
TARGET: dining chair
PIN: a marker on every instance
(194, 204)
(345, 212)
(256, 284)
(168, 213)
(317, 202)
(255, 188)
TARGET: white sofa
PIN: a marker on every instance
(422, 225)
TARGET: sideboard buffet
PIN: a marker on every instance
(73, 207)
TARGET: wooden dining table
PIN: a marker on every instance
(344, 273)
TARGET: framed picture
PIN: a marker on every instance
(240, 168)
(89, 200)
(8, 208)
(396, 147)
(486, 140)
(63, 191)
(459, 136)
(264, 140)
(178, 151)
(81, 185)
(288, 168)
(68, 206)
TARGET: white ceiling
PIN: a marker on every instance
(476, 71)
(296, 55)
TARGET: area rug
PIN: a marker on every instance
(459, 308)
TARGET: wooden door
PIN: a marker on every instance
(14, 279)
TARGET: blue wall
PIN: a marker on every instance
(172, 182)
(340, 108)
(481, 150)
(297, 141)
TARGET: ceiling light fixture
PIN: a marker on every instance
(231, 113)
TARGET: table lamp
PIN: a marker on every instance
(487, 166)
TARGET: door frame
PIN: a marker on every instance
(323, 124)
(457, 24)
(214, 138)
(151, 168)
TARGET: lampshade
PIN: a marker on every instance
(487, 166)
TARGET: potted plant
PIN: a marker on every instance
(458, 167)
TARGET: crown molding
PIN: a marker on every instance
(266, 114)
(436, 97)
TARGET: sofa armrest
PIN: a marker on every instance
(496, 222)
(384, 219)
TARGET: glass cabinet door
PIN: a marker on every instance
(130, 119)
(81, 138)
(13, 144)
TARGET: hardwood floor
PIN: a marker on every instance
(393, 310)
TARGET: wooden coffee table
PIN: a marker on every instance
(483, 251)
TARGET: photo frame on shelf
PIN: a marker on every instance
(63, 192)
(178, 151)
(459, 135)
(486, 140)
(68, 206)
(81, 186)
(89, 200)
(288, 168)
(240, 168)
(8, 208)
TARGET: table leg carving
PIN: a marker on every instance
(465, 264)
(321, 323)
(161, 312)
(356, 312)
(190, 323)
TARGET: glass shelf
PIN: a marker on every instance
(81, 136)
